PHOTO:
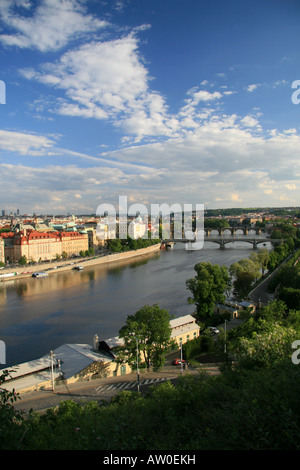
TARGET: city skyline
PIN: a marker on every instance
(164, 102)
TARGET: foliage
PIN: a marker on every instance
(22, 261)
(238, 410)
(120, 245)
(207, 288)
(250, 266)
(11, 421)
(286, 284)
(149, 328)
(216, 223)
(265, 349)
(261, 258)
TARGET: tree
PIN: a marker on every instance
(245, 265)
(246, 271)
(208, 288)
(22, 261)
(149, 329)
(11, 420)
(115, 245)
(266, 349)
(261, 257)
(290, 296)
(243, 282)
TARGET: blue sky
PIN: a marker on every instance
(162, 101)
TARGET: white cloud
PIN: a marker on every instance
(52, 24)
(290, 186)
(235, 197)
(107, 80)
(24, 143)
(250, 121)
(204, 95)
(218, 162)
(253, 87)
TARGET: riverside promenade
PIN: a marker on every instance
(70, 263)
(106, 388)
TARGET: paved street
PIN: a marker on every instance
(261, 291)
(103, 389)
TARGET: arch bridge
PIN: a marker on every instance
(245, 229)
(223, 241)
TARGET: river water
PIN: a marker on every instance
(37, 315)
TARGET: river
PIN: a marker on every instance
(37, 315)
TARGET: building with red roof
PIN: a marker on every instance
(40, 246)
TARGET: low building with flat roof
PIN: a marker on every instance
(75, 362)
(184, 329)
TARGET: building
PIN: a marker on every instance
(184, 329)
(2, 256)
(36, 245)
(76, 362)
(73, 243)
(94, 241)
(39, 246)
(234, 308)
(106, 229)
(137, 228)
(9, 250)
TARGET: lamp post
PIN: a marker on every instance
(137, 361)
(52, 375)
(225, 350)
(181, 365)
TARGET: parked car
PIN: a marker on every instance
(213, 330)
(177, 362)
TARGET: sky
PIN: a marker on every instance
(160, 101)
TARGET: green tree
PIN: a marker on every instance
(290, 296)
(250, 266)
(150, 329)
(266, 349)
(22, 261)
(261, 257)
(243, 282)
(208, 288)
(115, 245)
(11, 420)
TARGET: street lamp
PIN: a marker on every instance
(181, 365)
(137, 361)
(52, 374)
(225, 338)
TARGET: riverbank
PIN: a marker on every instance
(66, 265)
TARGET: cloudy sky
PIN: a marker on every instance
(162, 101)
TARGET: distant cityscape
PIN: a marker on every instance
(35, 238)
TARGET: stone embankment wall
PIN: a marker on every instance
(27, 271)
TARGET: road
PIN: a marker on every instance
(103, 389)
(260, 293)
